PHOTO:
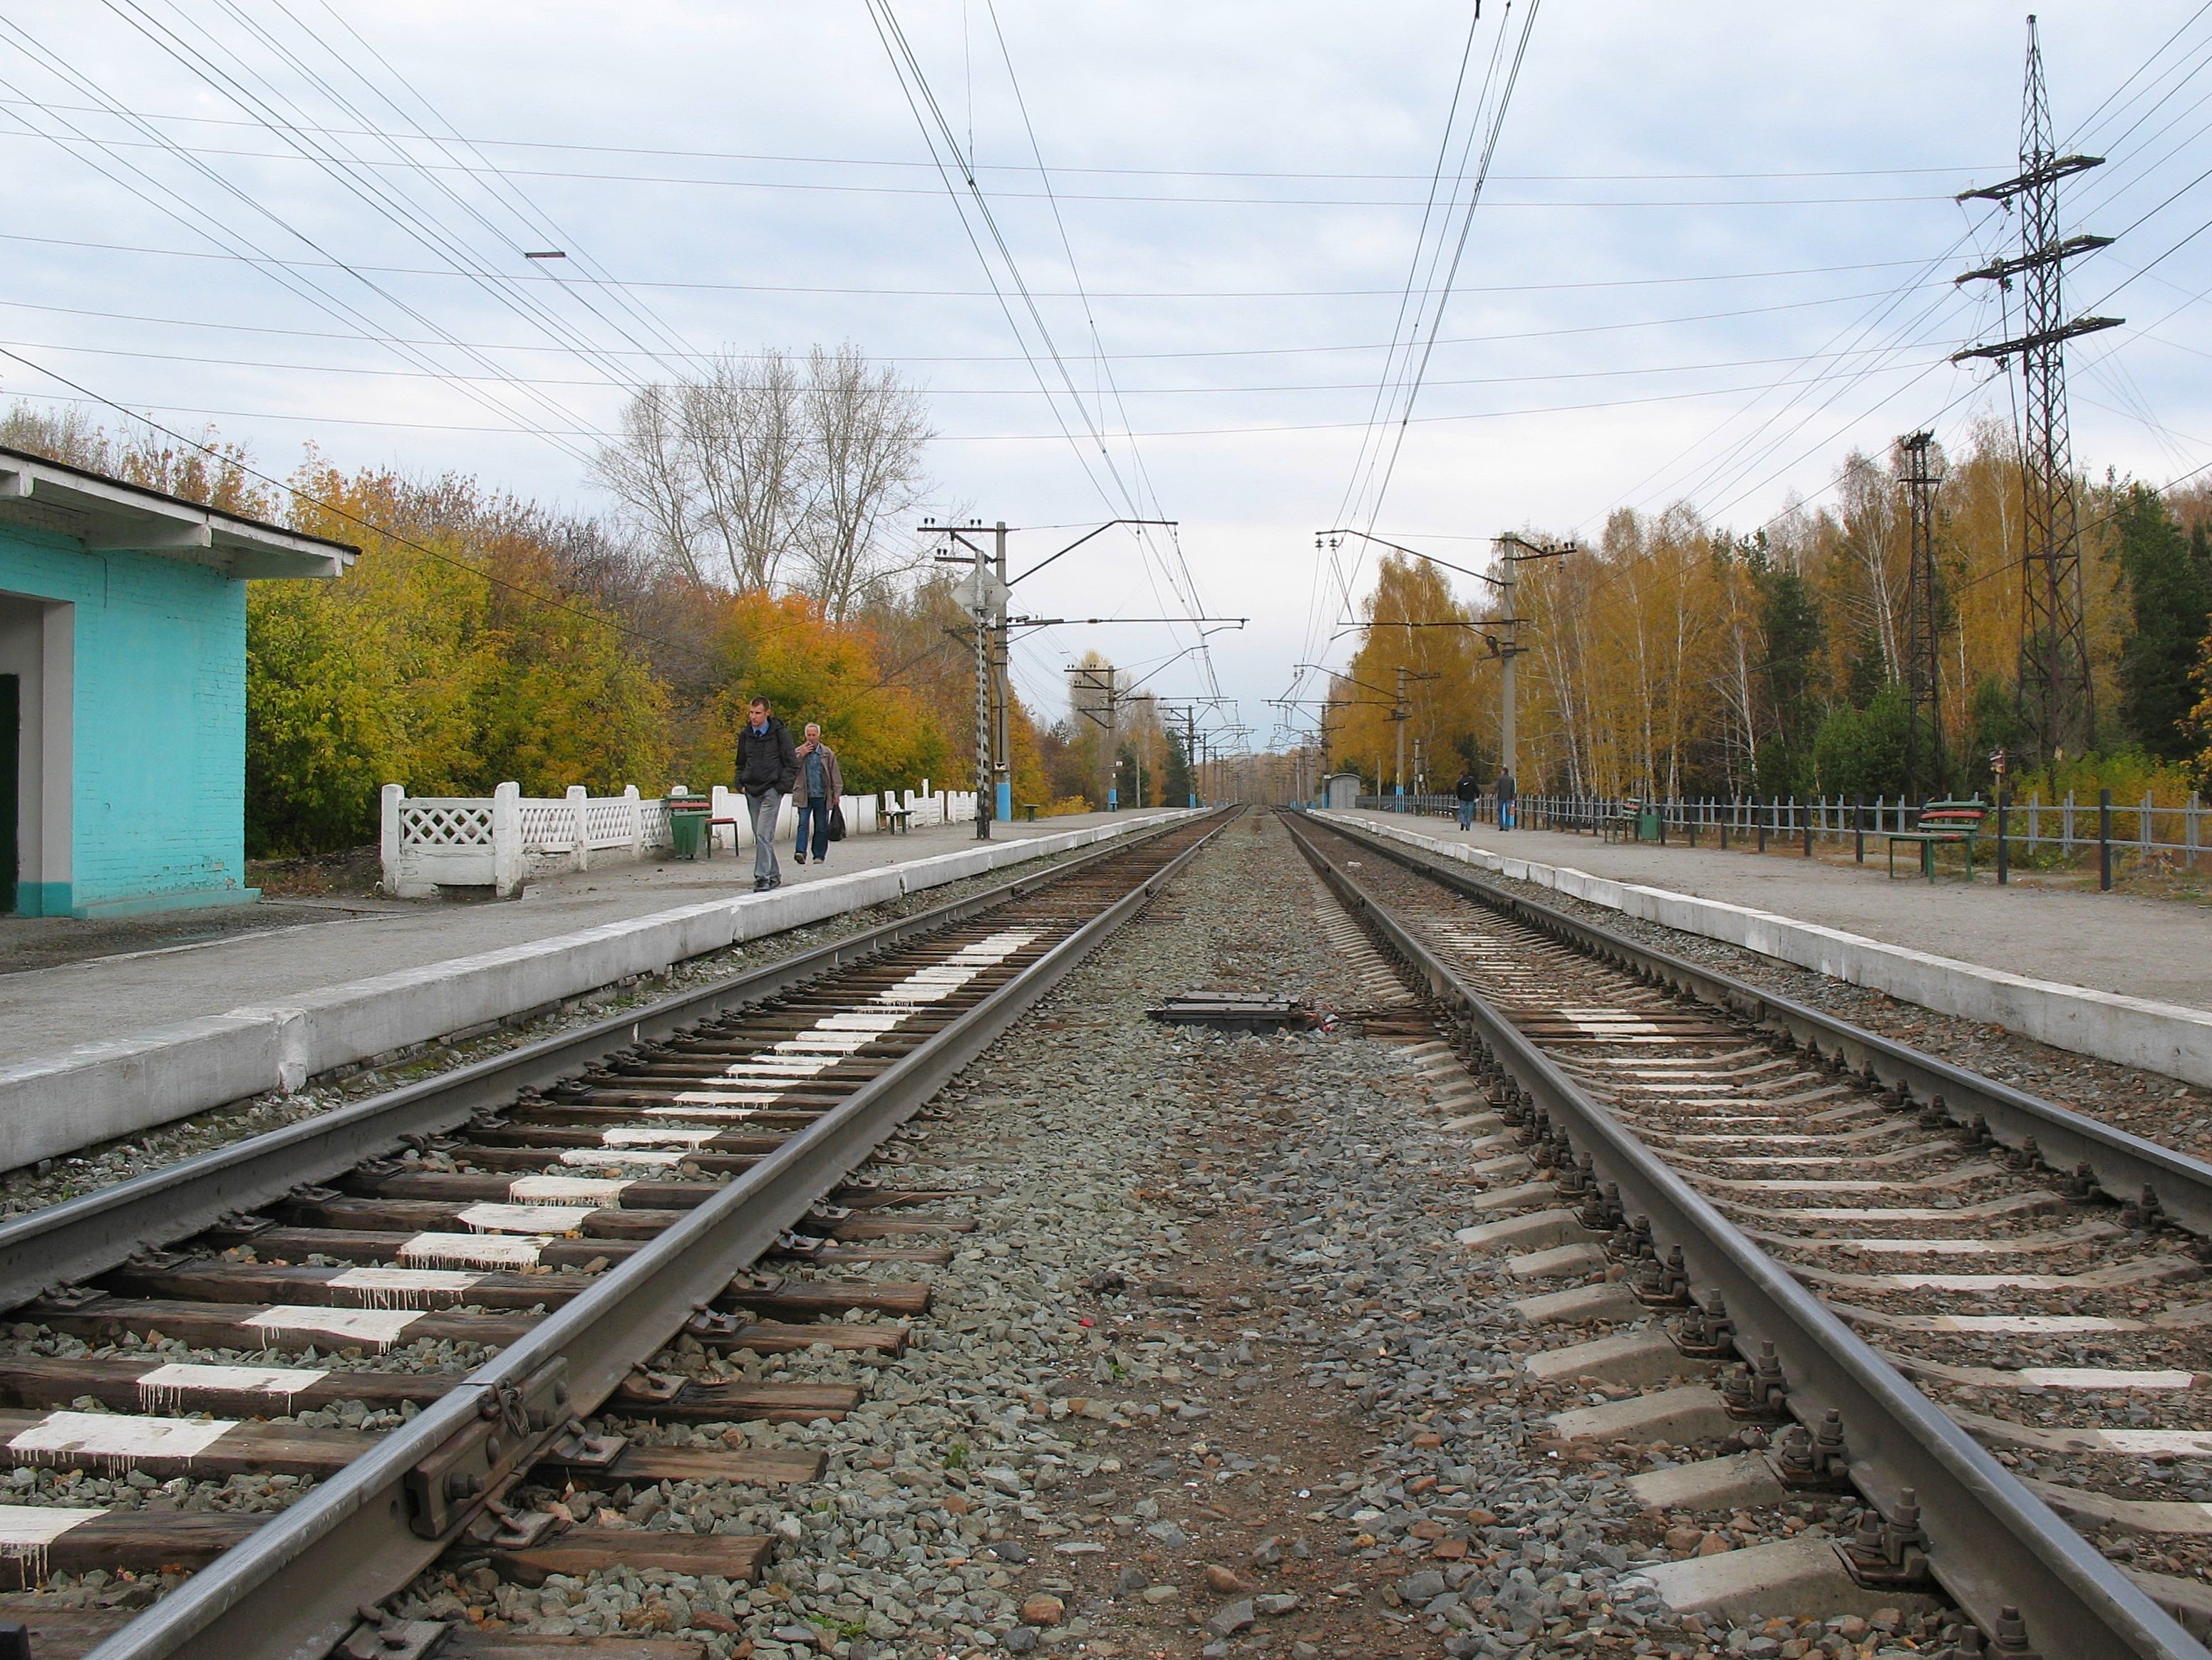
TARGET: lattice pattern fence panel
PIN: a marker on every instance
(429, 844)
(547, 826)
(607, 822)
(432, 823)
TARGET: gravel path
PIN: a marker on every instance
(1211, 1379)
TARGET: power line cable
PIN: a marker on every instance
(1150, 172)
(209, 323)
(1150, 506)
(831, 291)
(144, 186)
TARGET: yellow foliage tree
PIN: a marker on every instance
(782, 650)
(449, 660)
(1413, 623)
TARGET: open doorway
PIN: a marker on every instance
(11, 757)
(36, 671)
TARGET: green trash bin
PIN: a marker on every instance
(687, 829)
(1647, 822)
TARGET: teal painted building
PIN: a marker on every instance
(123, 690)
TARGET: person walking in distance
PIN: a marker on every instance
(1469, 791)
(767, 766)
(1505, 803)
(819, 786)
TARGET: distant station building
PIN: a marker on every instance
(1340, 791)
(123, 690)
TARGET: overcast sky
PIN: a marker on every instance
(1714, 253)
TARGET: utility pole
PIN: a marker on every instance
(1100, 679)
(1189, 713)
(1399, 714)
(1190, 756)
(984, 679)
(1002, 691)
(984, 595)
(2057, 699)
(1509, 749)
(1923, 732)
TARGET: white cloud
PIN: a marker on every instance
(1885, 110)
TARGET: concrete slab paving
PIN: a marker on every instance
(53, 1008)
(2158, 949)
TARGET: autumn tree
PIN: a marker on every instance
(459, 652)
(1412, 621)
(208, 470)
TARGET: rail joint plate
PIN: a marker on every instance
(505, 1436)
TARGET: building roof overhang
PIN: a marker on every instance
(109, 516)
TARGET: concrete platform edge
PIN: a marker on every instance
(2157, 1037)
(99, 1092)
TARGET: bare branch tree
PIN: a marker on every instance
(743, 441)
(754, 473)
(649, 473)
(864, 432)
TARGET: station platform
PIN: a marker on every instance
(48, 1007)
(2157, 949)
(2123, 977)
(102, 1047)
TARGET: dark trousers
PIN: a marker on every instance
(813, 815)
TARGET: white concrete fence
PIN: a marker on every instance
(502, 841)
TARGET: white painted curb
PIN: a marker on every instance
(2157, 1037)
(98, 1092)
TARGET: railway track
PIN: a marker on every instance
(422, 1318)
(1983, 1312)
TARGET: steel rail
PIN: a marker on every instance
(292, 1590)
(1992, 1543)
(2124, 1167)
(92, 1234)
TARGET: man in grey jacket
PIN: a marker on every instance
(767, 766)
(820, 784)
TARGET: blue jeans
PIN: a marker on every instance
(813, 813)
(1506, 816)
(1466, 816)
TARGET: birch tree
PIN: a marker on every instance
(762, 475)
(863, 432)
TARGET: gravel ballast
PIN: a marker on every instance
(2149, 1104)
(1210, 1378)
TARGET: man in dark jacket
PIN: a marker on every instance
(1508, 807)
(767, 766)
(1469, 791)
